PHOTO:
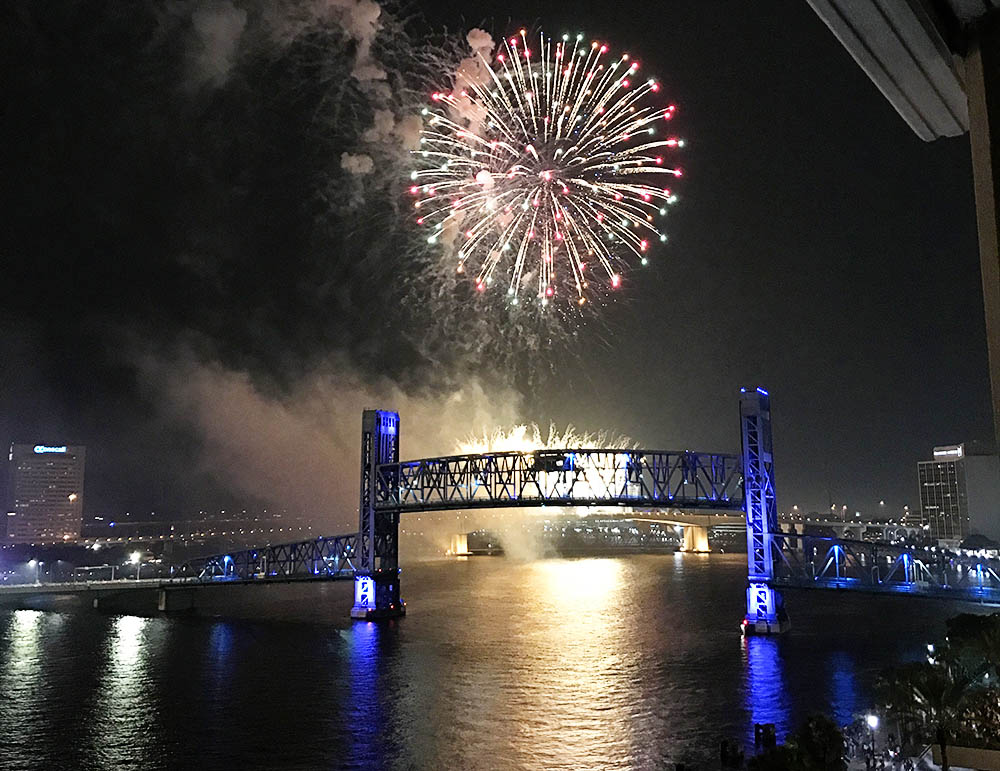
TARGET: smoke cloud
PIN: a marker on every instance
(217, 28)
(220, 27)
(360, 19)
(299, 447)
(480, 41)
(385, 128)
(359, 165)
(473, 70)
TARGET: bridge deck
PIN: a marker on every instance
(131, 584)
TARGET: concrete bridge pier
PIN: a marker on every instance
(695, 540)
(173, 600)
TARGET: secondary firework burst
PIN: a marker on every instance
(528, 438)
(588, 479)
(545, 173)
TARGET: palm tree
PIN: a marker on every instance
(932, 695)
(821, 744)
(818, 745)
(978, 637)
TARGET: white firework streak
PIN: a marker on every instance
(595, 477)
(528, 438)
(554, 162)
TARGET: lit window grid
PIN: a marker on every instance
(944, 499)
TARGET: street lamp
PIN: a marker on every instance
(136, 556)
(872, 721)
(34, 564)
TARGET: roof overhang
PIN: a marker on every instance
(901, 45)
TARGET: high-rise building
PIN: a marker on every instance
(44, 492)
(960, 493)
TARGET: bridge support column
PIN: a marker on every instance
(376, 578)
(765, 605)
(174, 600)
(459, 544)
(696, 540)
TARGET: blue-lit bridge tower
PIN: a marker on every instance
(765, 606)
(376, 575)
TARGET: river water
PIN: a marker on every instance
(591, 663)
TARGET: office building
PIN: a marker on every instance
(44, 492)
(960, 494)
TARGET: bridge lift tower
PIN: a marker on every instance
(376, 575)
(765, 605)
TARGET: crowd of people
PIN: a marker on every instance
(863, 745)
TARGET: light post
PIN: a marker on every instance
(34, 564)
(872, 721)
(136, 556)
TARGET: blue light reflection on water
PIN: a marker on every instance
(844, 695)
(765, 691)
(364, 712)
(219, 664)
(370, 713)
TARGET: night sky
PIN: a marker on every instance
(161, 226)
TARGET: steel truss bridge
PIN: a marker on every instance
(834, 563)
(321, 557)
(641, 479)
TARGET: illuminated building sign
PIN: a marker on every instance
(956, 451)
(41, 449)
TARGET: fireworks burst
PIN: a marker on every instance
(544, 172)
(528, 438)
(590, 480)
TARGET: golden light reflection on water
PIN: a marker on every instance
(23, 660)
(126, 644)
(124, 704)
(22, 663)
(21, 686)
(571, 669)
(583, 584)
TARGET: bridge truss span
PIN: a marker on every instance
(833, 563)
(331, 557)
(642, 478)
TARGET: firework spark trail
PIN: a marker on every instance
(592, 477)
(548, 170)
(528, 438)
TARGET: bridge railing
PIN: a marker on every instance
(562, 478)
(820, 562)
(324, 557)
